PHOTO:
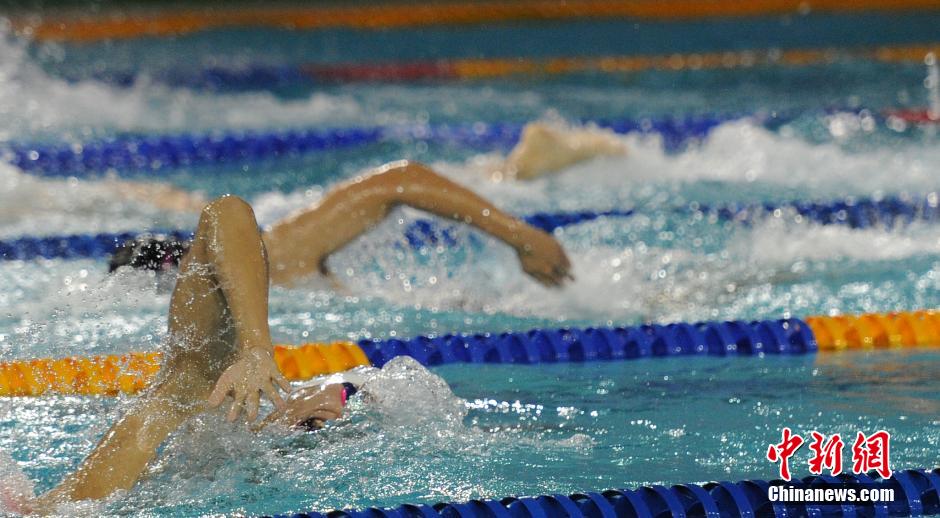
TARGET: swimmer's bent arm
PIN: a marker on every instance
(226, 252)
(235, 251)
(300, 244)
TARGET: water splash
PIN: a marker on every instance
(34, 103)
(36, 206)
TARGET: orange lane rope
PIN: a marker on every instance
(874, 330)
(83, 28)
(131, 373)
(488, 68)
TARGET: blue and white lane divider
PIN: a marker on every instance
(855, 213)
(160, 154)
(917, 493)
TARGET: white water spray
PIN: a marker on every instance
(933, 86)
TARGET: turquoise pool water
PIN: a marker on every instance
(527, 430)
(532, 430)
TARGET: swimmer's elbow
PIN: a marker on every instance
(406, 171)
(227, 203)
(401, 180)
(227, 206)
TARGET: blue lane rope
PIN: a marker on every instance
(78, 246)
(159, 154)
(917, 493)
(887, 212)
(164, 153)
(855, 213)
(733, 338)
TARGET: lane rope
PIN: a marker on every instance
(917, 493)
(260, 77)
(162, 153)
(110, 375)
(137, 23)
(889, 212)
(129, 373)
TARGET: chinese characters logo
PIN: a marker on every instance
(869, 452)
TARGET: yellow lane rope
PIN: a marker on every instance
(130, 373)
(84, 28)
(874, 330)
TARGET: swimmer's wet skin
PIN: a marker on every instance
(299, 245)
(219, 347)
(219, 342)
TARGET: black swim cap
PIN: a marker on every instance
(149, 252)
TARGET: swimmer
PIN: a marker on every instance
(548, 147)
(219, 349)
(544, 147)
(219, 343)
(299, 245)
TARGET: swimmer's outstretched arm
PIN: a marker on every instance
(300, 244)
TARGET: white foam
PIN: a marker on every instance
(34, 102)
(736, 152)
(776, 243)
(273, 206)
(407, 393)
(35, 206)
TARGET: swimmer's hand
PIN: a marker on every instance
(252, 373)
(543, 258)
(309, 404)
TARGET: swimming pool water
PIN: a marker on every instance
(528, 430)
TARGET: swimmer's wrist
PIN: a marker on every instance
(259, 347)
(521, 238)
(255, 340)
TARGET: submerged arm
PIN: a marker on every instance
(300, 244)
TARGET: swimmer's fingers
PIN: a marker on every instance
(544, 279)
(552, 276)
(282, 382)
(252, 404)
(563, 273)
(557, 274)
(273, 394)
(239, 401)
(539, 277)
(223, 388)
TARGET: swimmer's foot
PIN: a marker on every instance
(545, 148)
